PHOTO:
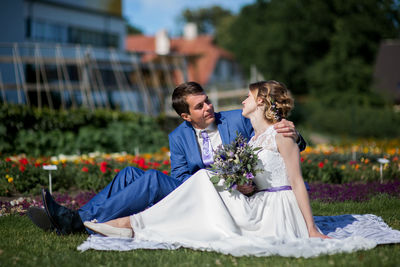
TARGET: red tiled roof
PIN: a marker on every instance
(203, 47)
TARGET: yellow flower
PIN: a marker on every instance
(147, 156)
(10, 180)
(7, 176)
(343, 167)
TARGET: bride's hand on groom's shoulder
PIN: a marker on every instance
(287, 128)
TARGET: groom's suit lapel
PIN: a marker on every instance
(223, 129)
(191, 138)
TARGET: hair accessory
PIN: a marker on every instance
(277, 113)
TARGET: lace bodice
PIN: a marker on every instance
(270, 161)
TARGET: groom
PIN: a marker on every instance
(132, 190)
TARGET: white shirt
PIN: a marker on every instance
(213, 134)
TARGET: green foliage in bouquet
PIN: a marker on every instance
(235, 163)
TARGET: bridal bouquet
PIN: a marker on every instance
(235, 163)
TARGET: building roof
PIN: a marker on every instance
(202, 48)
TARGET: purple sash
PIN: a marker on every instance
(276, 189)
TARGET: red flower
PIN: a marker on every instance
(320, 165)
(165, 172)
(22, 168)
(156, 164)
(103, 167)
(141, 162)
(166, 162)
(302, 160)
(116, 170)
(37, 164)
(85, 169)
(8, 159)
(23, 161)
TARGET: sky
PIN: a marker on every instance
(153, 15)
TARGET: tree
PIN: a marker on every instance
(313, 45)
(131, 29)
(206, 19)
(358, 29)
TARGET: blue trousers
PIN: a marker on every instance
(131, 191)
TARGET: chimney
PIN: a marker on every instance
(162, 43)
(190, 31)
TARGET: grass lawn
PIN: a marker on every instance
(23, 244)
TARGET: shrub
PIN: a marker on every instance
(45, 132)
(339, 116)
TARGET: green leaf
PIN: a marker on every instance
(215, 179)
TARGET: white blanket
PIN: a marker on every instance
(341, 228)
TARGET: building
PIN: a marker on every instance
(71, 53)
(96, 23)
(387, 69)
(207, 64)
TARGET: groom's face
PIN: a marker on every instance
(201, 111)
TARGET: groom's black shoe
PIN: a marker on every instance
(39, 217)
(64, 220)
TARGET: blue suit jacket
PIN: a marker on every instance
(185, 152)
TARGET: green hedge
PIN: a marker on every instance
(358, 121)
(42, 132)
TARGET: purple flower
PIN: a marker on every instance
(249, 175)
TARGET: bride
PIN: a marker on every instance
(276, 220)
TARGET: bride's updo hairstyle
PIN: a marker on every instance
(276, 97)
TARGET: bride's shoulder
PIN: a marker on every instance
(283, 141)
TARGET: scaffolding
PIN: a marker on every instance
(71, 76)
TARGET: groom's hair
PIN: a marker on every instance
(181, 92)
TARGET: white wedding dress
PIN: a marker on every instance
(201, 216)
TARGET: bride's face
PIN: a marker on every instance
(249, 105)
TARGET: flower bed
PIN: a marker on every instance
(346, 164)
(21, 174)
(352, 162)
(357, 192)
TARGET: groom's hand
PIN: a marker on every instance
(286, 128)
(246, 189)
